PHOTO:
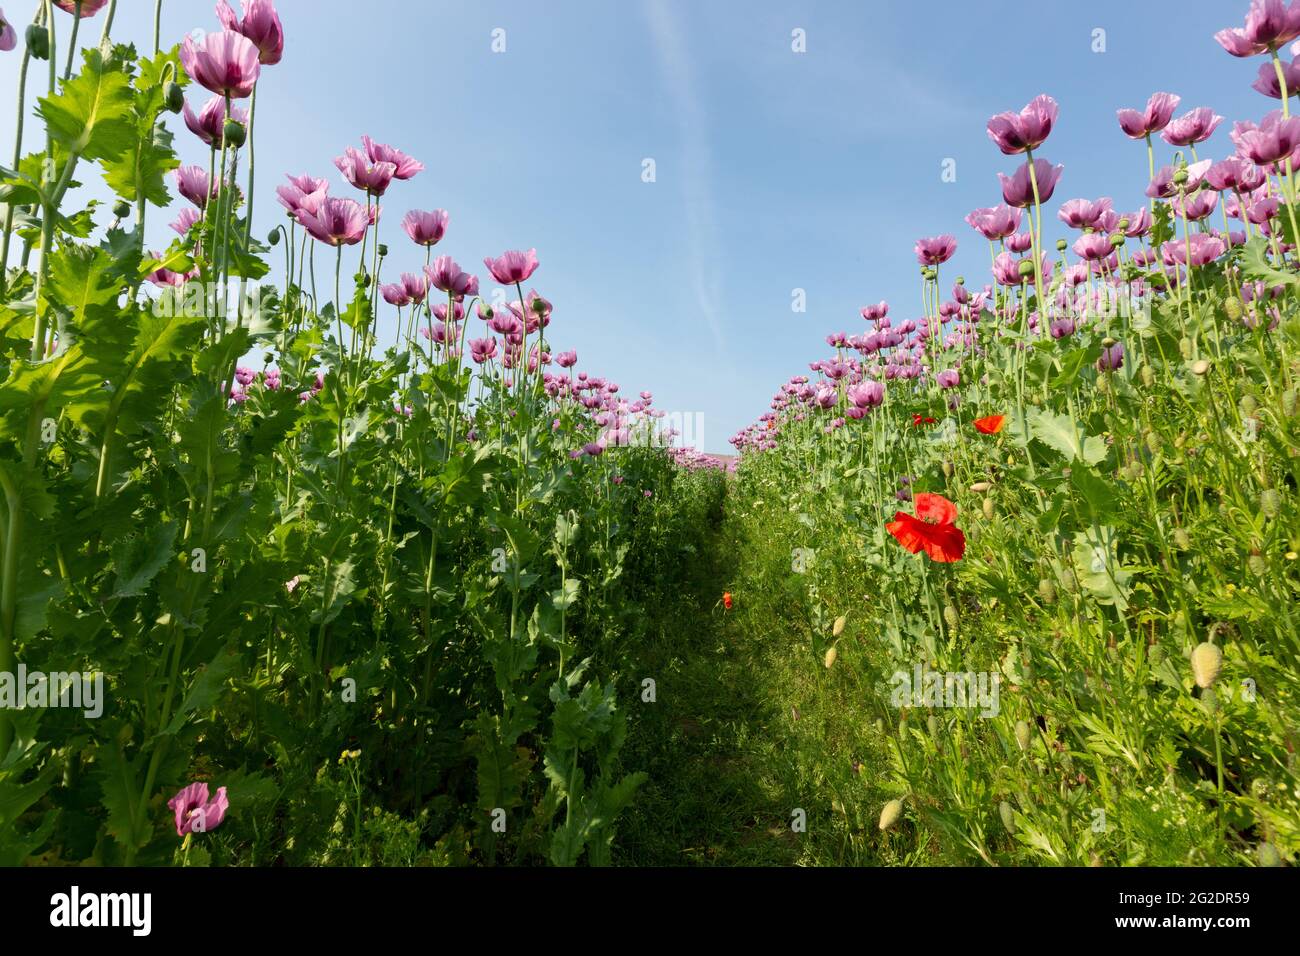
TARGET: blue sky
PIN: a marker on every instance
(775, 170)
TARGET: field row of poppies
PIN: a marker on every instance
(1077, 481)
(348, 604)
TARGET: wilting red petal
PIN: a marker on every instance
(935, 508)
(991, 425)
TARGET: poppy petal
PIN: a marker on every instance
(936, 508)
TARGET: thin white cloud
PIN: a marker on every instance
(697, 163)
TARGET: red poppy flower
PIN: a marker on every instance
(931, 530)
(918, 420)
(991, 425)
(726, 600)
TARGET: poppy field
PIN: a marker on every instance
(310, 561)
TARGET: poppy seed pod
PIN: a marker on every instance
(890, 813)
(121, 209)
(1207, 661)
(961, 280)
(38, 41)
(1117, 239)
(1061, 245)
(233, 133)
(1024, 736)
(1180, 177)
(1122, 224)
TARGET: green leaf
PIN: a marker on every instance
(1058, 432)
(206, 690)
(119, 779)
(138, 559)
(92, 116)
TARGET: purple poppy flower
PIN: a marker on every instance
(1017, 132)
(936, 250)
(405, 166)
(426, 228)
(1160, 109)
(261, 25)
(8, 38)
(1112, 358)
(1270, 24)
(194, 184)
(1272, 141)
(225, 63)
(512, 267)
(195, 813)
(1192, 128)
(338, 222)
(1017, 190)
(209, 122)
(357, 169)
(1083, 214)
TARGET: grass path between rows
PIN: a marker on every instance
(747, 726)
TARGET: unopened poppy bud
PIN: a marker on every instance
(1270, 503)
(233, 133)
(1248, 404)
(1289, 403)
(1047, 590)
(1210, 700)
(1266, 855)
(1185, 347)
(1026, 268)
(38, 41)
(1008, 816)
(1152, 441)
(273, 237)
(1207, 661)
(1156, 654)
(1148, 376)
(831, 655)
(121, 209)
(173, 97)
(947, 469)
(1200, 367)
(890, 813)
(961, 280)
(950, 615)
(1232, 306)
(988, 507)
(1181, 541)
(383, 250)
(1107, 342)
(980, 487)
(838, 627)
(932, 725)
(1256, 564)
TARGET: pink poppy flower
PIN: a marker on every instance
(195, 813)
(261, 25)
(338, 222)
(426, 228)
(1192, 128)
(208, 124)
(1160, 109)
(512, 267)
(405, 166)
(1017, 190)
(225, 63)
(1017, 132)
